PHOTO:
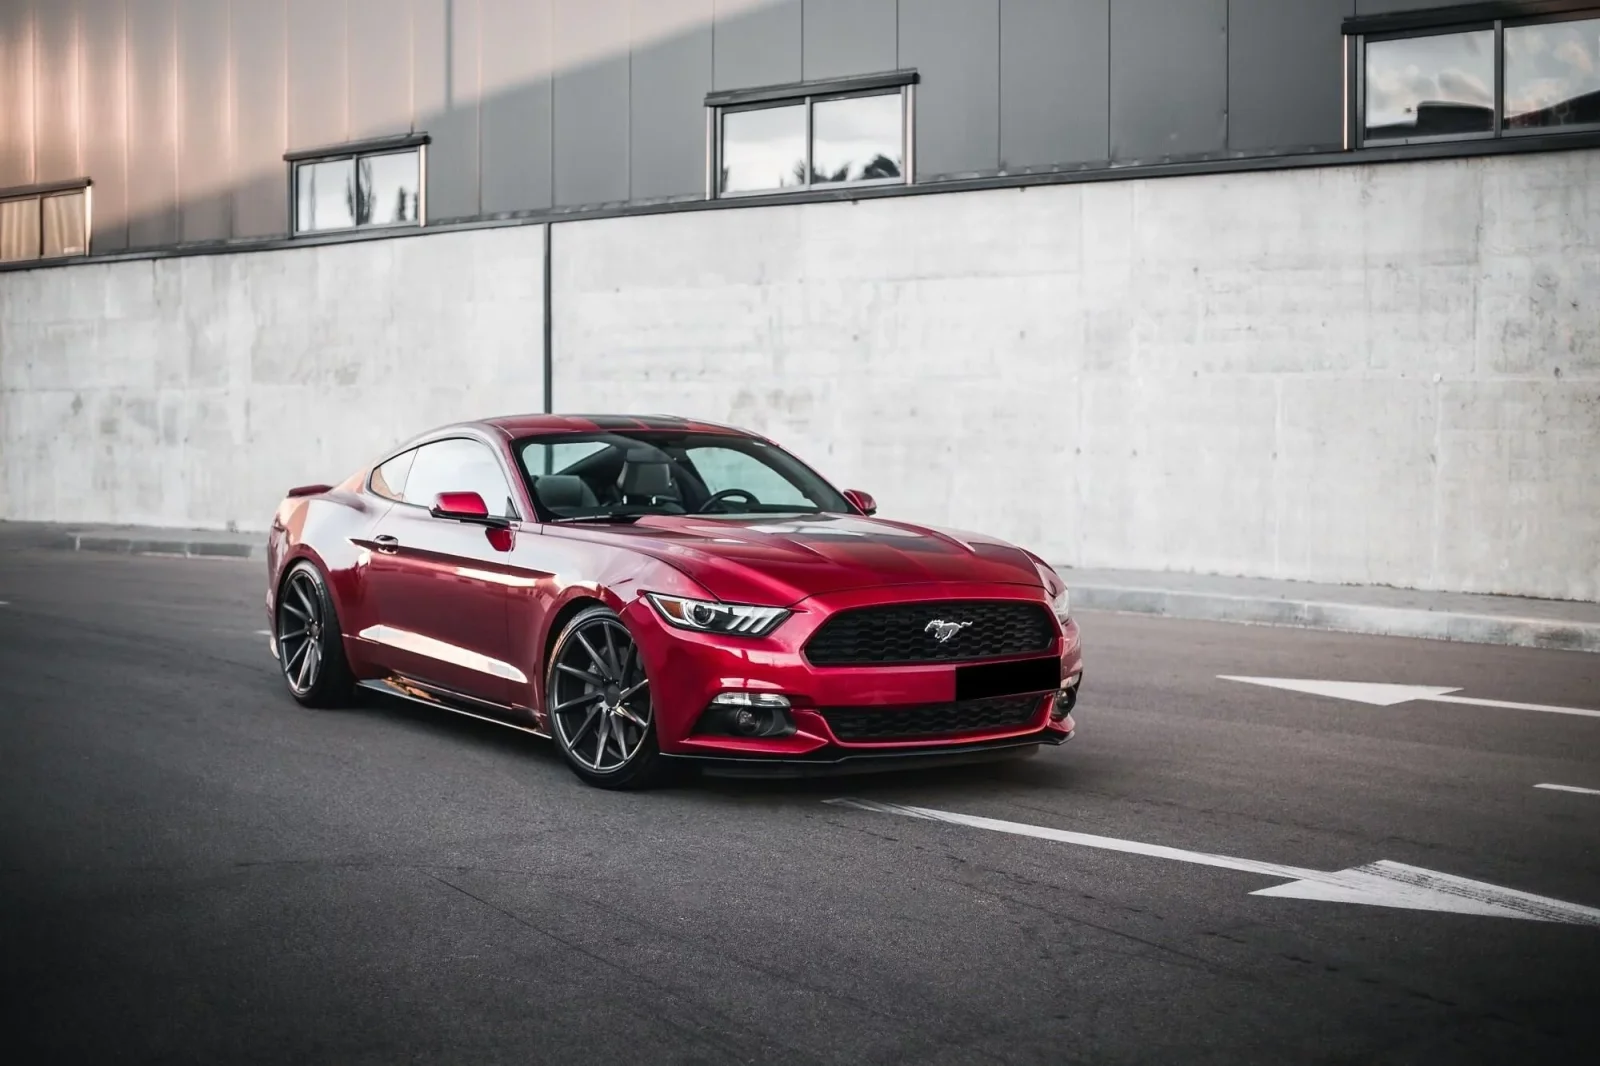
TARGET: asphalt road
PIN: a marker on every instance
(194, 869)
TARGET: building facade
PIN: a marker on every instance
(1295, 288)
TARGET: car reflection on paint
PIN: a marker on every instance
(652, 592)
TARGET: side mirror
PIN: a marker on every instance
(464, 507)
(861, 501)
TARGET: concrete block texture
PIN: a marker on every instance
(1383, 374)
(194, 391)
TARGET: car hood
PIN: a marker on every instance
(784, 559)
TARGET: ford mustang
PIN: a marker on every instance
(655, 592)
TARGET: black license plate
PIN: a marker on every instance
(1007, 679)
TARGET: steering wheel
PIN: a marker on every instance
(718, 497)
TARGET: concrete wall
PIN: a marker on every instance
(1381, 374)
(195, 391)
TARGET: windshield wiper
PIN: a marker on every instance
(600, 519)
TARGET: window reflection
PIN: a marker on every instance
(764, 148)
(19, 229)
(856, 139)
(65, 224)
(389, 188)
(325, 195)
(1552, 74)
(1441, 85)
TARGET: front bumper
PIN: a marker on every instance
(688, 669)
(840, 761)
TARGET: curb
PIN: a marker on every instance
(126, 544)
(1367, 619)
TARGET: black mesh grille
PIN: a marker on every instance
(940, 719)
(904, 633)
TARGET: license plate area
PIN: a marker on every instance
(1007, 679)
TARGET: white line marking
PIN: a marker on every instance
(1382, 884)
(1380, 695)
(263, 632)
(1571, 788)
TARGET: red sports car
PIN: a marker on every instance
(654, 591)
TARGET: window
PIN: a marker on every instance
(48, 223)
(723, 469)
(376, 183)
(389, 479)
(458, 465)
(1490, 79)
(849, 132)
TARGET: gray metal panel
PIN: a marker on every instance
(849, 37)
(756, 42)
(1385, 7)
(258, 42)
(671, 74)
(591, 102)
(380, 68)
(105, 120)
(204, 182)
(152, 123)
(955, 46)
(1054, 98)
(16, 94)
(446, 65)
(318, 78)
(1285, 73)
(518, 38)
(1169, 78)
(56, 105)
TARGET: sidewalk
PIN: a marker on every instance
(1379, 611)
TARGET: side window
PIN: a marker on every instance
(729, 468)
(458, 466)
(389, 480)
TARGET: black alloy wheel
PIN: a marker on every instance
(309, 642)
(598, 699)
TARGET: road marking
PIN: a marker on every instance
(1378, 884)
(1380, 695)
(263, 632)
(1571, 788)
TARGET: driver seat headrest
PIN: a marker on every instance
(646, 476)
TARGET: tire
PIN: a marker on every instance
(598, 701)
(313, 665)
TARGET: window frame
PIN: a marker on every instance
(807, 95)
(1356, 75)
(50, 191)
(354, 152)
(511, 477)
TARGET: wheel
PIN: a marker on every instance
(310, 643)
(599, 699)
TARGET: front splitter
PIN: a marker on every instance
(830, 762)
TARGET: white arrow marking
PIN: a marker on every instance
(1380, 695)
(1380, 884)
(1571, 788)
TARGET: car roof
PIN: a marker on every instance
(514, 426)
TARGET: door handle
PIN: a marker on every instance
(387, 544)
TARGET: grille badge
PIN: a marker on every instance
(942, 631)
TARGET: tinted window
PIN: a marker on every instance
(19, 229)
(763, 149)
(64, 222)
(389, 480)
(1553, 74)
(856, 138)
(458, 466)
(1441, 85)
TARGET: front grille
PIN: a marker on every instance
(898, 634)
(939, 719)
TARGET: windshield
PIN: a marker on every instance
(620, 475)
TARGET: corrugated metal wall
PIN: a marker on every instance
(181, 110)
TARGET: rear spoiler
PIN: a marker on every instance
(309, 490)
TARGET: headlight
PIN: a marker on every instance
(709, 616)
(1062, 606)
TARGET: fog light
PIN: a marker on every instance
(748, 714)
(1066, 698)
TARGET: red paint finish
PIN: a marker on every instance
(453, 597)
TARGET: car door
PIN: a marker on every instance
(438, 586)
